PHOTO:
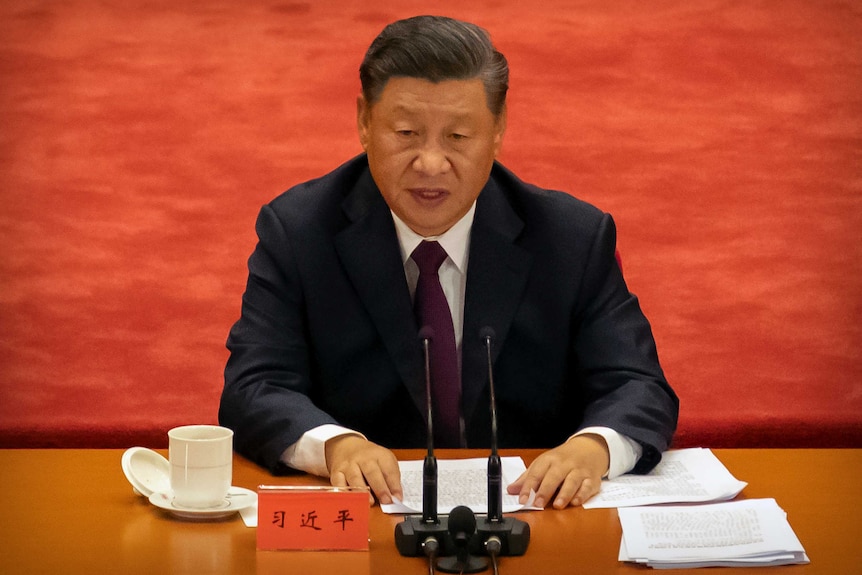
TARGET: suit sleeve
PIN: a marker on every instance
(267, 393)
(624, 385)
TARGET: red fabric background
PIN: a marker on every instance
(138, 139)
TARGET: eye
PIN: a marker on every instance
(405, 132)
(459, 137)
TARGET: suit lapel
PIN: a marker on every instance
(496, 277)
(368, 250)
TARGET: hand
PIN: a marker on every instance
(353, 461)
(573, 470)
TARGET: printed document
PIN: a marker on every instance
(683, 476)
(749, 532)
(459, 482)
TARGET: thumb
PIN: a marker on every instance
(515, 487)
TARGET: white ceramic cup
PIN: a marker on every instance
(201, 459)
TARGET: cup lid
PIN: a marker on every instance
(147, 471)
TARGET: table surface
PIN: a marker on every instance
(72, 511)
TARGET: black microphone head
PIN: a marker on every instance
(462, 520)
(487, 333)
(426, 332)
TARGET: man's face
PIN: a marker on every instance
(430, 148)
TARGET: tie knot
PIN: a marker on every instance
(429, 256)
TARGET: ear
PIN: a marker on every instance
(499, 130)
(363, 112)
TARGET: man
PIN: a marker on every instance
(326, 372)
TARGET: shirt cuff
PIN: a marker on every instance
(309, 453)
(624, 452)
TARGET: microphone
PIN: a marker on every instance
(426, 535)
(495, 465)
(429, 466)
(499, 535)
(462, 528)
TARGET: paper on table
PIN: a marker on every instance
(459, 482)
(249, 515)
(683, 476)
(748, 532)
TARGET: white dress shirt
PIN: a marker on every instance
(309, 455)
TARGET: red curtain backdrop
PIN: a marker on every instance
(138, 140)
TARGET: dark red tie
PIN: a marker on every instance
(432, 310)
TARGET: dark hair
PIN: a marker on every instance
(435, 48)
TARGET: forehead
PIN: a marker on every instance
(417, 96)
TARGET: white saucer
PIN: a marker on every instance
(237, 498)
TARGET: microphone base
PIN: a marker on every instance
(411, 533)
(468, 564)
(514, 535)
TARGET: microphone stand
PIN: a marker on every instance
(498, 535)
(426, 535)
(462, 527)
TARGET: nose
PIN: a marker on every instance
(431, 160)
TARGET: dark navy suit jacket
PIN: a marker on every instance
(327, 332)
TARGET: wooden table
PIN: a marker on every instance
(72, 511)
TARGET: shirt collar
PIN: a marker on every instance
(455, 240)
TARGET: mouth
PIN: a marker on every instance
(429, 195)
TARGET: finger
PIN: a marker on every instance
(515, 486)
(338, 479)
(588, 488)
(550, 483)
(384, 476)
(352, 478)
(530, 485)
(377, 482)
(392, 475)
(534, 477)
(567, 491)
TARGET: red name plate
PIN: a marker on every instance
(312, 518)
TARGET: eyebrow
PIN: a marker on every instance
(408, 111)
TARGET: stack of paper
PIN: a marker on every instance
(459, 482)
(683, 476)
(751, 532)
